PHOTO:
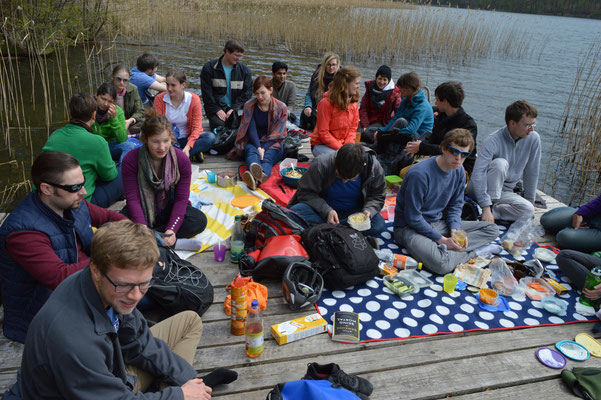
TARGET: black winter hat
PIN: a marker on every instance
(385, 71)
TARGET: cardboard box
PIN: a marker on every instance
(299, 328)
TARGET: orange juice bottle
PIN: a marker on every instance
(254, 331)
(405, 262)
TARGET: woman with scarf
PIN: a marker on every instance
(156, 183)
(128, 99)
(110, 122)
(262, 130)
(320, 82)
(184, 110)
(338, 113)
(378, 104)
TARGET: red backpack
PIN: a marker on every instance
(273, 258)
(273, 220)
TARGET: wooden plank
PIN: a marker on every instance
(552, 389)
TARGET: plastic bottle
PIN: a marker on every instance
(592, 279)
(237, 241)
(406, 262)
(254, 331)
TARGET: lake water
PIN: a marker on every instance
(544, 77)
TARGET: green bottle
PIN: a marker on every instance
(592, 279)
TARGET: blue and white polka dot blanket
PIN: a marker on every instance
(385, 316)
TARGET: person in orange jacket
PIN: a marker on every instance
(338, 113)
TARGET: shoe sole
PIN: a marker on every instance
(249, 180)
(256, 171)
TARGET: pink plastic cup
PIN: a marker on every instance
(219, 252)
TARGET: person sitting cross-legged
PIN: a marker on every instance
(429, 205)
(90, 342)
(262, 131)
(46, 238)
(284, 89)
(340, 184)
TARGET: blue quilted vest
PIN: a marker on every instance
(22, 295)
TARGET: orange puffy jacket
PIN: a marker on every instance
(335, 127)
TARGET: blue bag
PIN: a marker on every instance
(310, 390)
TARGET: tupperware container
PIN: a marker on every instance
(416, 278)
(400, 286)
(532, 292)
(555, 305)
(488, 296)
(359, 221)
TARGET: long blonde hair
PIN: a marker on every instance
(338, 93)
(321, 89)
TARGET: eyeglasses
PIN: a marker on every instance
(332, 65)
(456, 152)
(76, 187)
(126, 288)
(122, 79)
(529, 126)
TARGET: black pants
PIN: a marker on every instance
(232, 122)
(194, 222)
(308, 123)
(576, 265)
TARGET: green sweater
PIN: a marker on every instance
(112, 130)
(90, 150)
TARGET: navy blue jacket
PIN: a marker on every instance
(22, 295)
(214, 85)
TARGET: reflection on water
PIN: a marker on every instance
(544, 77)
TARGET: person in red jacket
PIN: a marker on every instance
(380, 101)
(184, 111)
(337, 113)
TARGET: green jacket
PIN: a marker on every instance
(90, 150)
(112, 130)
(132, 103)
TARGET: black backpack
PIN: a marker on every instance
(179, 286)
(273, 220)
(341, 254)
(224, 139)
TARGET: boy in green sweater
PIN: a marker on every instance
(109, 122)
(102, 178)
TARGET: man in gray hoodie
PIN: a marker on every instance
(507, 156)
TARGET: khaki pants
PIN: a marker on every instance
(181, 333)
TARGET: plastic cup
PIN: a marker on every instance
(211, 176)
(460, 237)
(450, 281)
(390, 210)
(488, 296)
(358, 137)
(219, 252)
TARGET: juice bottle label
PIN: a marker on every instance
(400, 261)
(254, 343)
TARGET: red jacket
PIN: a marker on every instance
(335, 127)
(194, 115)
(369, 114)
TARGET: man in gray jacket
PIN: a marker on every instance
(283, 89)
(507, 156)
(342, 183)
(90, 342)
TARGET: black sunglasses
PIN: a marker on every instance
(69, 188)
(456, 152)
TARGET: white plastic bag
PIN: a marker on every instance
(502, 279)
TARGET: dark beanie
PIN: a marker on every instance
(385, 71)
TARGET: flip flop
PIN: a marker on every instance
(591, 344)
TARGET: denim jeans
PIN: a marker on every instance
(559, 222)
(271, 156)
(119, 150)
(108, 192)
(309, 214)
(321, 149)
(202, 144)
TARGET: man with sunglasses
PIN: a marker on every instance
(90, 342)
(507, 156)
(429, 204)
(45, 239)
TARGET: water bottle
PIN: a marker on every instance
(237, 241)
(254, 331)
(592, 279)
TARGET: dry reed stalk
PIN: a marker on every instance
(576, 150)
(359, 30)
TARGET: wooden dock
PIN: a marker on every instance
(472, 365)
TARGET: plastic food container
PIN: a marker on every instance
(555, 306)
(292, 181)
(393, 180)
(488, 296)
(536, 288)
(226, 179)
(417, 279)
(400, 286)
(359, 221)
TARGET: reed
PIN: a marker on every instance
(575, 158)
(359, 30)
